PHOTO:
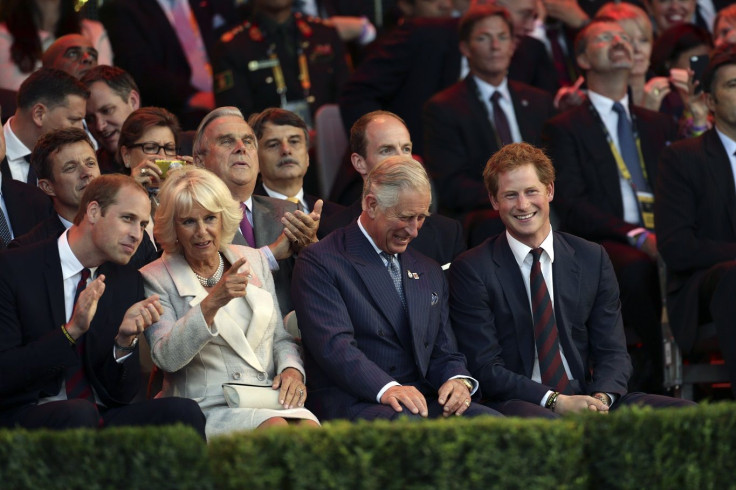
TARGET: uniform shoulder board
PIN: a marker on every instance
(229, 35)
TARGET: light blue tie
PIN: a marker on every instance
(629, 152)
(395, 271)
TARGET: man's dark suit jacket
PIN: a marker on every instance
(587, 189)
(695, 205)
(329, 208)
(146, 46)
(459, 139)
(492, 319)
(267, 214)
(52, 227)
(34, 352)
(441, 238)
(26, 205)
(356, 334)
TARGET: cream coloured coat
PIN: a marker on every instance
(246, 343)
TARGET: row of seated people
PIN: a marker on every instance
(141, 149)
(374, 316)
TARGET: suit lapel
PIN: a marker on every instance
(518, 301)
(373, 273)
(566, 278)
(481, 116)
(418, 301)
(54, 283)
(229, 320)
(525, 118)
(605, 165)
(718, 166)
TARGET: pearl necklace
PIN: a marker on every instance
(209, 282)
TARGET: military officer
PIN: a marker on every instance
(279, 59)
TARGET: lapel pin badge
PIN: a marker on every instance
(412, 275)
(524, 103)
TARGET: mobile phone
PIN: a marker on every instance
(698, 64)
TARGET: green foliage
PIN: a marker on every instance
(631, 448)
(172, 457)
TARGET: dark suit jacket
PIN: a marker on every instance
(146, 46)
(34, 352)
(493, 323)
(413, 62)
(459, 139)
(329, 208)
(441, 238)
(587, 190)
(52, 227)
(356, 334)
(26, 205)
(531, 64)
(695, 206)
(267, 214)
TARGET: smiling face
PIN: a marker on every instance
(106, 113)
(199, 232)
(231, 152)
(489, 49)
(668, 13)
(522, 202)
(118, 231)
(392, 228)
(283, 154)
(73, 166)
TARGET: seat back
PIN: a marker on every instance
(331, 143)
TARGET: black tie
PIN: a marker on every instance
(500, 121)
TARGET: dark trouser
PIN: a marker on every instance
(69, 414)
(717, 297)
(641, 304)
(520, 408)
(377, 411)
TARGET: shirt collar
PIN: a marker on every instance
(604, 105)
(728, 143)
(521, 251)
(299, 195)
(14, 148)
(486, 89)
(370, 240)
(70, 264)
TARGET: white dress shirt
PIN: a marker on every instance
(604, 106)
(15, 153)
(506, 103)
(299, 195)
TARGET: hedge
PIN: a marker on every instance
(630, 448)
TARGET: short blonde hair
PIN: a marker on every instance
(182, 189)
(628, 11)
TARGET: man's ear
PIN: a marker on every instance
(94, 212)
(134, 100)
(583, 61)
(370, 205)
(38, 113)
(359, 164)
(464, 49)
(550, 192)
(494, 202)
(47, 187)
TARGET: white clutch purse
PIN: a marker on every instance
(238, 395)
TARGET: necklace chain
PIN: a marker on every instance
(211, 281)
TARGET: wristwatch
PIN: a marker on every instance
(467, 384)
(129, 348)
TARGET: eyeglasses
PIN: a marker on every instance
(77, 52)
(152, 148)
(608, 37)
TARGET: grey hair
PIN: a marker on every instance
(392, 175)
(198, 147)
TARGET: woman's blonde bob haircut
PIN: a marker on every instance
(181, 190)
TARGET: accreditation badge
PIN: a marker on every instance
(646, 206)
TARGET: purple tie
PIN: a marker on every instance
(503, 129)
(246, 228)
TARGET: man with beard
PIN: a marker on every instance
(605, 153)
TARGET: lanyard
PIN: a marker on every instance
(616, 155)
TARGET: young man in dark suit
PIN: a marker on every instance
(71, 311)
(537, 312)
(373, 314)
(696, 219)
(470, 120)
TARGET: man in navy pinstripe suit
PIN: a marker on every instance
(374, 314)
